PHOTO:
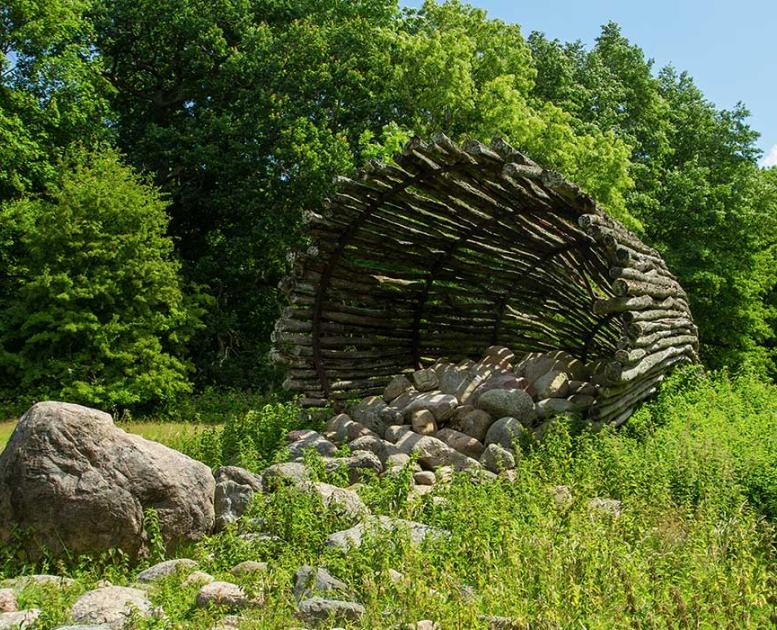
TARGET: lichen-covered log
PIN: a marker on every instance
(453, 249)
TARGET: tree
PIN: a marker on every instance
(98, 314)
(52, 91)
(244, 112)
(697, 191)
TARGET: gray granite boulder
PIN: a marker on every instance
(78, 483)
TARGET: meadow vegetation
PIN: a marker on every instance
(695, 470)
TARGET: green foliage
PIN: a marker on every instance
(52, 90)
(698, 194)
(246, 125)
(253, 440)
(96, 312)
(696, 472)
(153, 533)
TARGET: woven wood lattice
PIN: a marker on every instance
(454, 249)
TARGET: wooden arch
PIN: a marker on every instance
(453, 249)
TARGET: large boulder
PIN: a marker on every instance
(74, 481)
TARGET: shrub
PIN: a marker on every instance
(96, 312)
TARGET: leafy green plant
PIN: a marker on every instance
(98, 313)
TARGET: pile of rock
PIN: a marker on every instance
(466, 415)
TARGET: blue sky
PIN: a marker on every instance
(730, 48)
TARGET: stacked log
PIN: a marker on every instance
(453, 249)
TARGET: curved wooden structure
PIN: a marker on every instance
(453, 249)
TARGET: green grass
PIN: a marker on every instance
(170, 433)
(6, 428)
(696, 472)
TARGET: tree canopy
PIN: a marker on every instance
(242, 111)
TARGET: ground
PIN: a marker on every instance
(694, 472)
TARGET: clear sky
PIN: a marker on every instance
(730, 48)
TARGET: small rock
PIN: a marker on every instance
(562, 496)
(310, 582)
(499, 355)
(425, 624)
(466, 392)
(462, 442)
(345, 501)
(395, 412)
(91, 626)
(346, 430)
(359, 465)
(555, 406)
(423, 422)
(581, 401)
(552, 384)
(515, 403)
(505, 432)
(249, 567)
(453, 379)
(425, 478)
(395, 577)
(318, 609)
(395, 432)
(476, 424)
(396, 386)
(458, 415)
(198, 578)
(7, 600)
(383, 449)
(235, 490)
(607, 506)
(165, 569)
(444, 474)
(368, 413)
(225, 594)
(289, 473)
(509, 475)
(310, 440)
(19, 620)
(400, 460)
(583, 388)
(354, 536)
(112, 605)
(441, 405)
(433, 452)
(418, 491)
(496, 458)
(501, 381)
(425, 380)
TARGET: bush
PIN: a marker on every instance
(253, 440)
(95, 312)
